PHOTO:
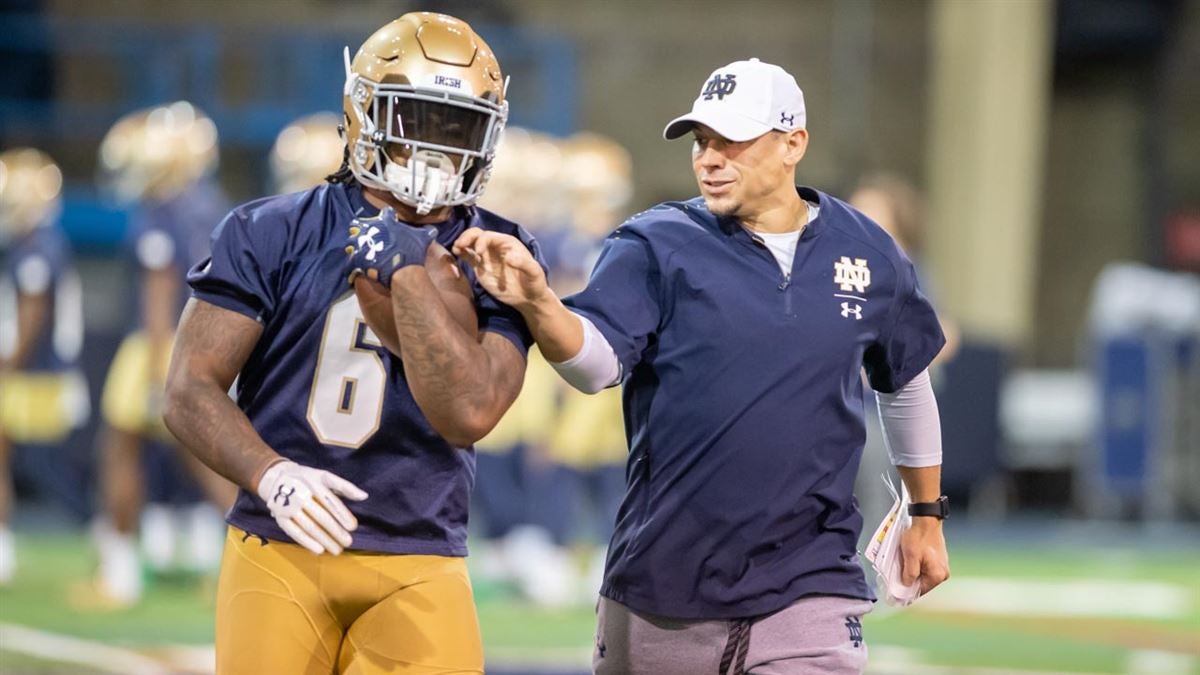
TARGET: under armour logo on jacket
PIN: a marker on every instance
(856, 310)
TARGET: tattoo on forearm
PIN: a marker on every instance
(448, 371)
(201, 414)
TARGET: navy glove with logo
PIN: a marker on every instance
(380, 246)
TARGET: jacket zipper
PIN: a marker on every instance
(785, 278)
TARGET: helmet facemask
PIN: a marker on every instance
(429, 145)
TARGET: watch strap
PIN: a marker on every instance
(939, 509)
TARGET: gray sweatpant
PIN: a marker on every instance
(819, 634)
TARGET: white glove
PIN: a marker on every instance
(302, 501)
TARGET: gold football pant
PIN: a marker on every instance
(281, 609)
(133, 391)
(42, 407)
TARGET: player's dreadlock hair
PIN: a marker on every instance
(343, 175)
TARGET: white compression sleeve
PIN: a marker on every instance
(595, 367)
(912, 428)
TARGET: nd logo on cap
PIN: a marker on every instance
(719, 86)
(767, 99)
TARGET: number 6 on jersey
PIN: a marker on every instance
(346, 399)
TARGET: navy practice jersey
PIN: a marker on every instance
(173, 235)
(40, 262)
(743, 402)
(319, 387)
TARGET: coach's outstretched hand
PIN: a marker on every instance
(504, 266)
(378, 247)
(923, 554)
(302, 501)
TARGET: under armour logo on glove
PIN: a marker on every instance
(366, 242)
(307, 505)
(380, 246)
(287, 498)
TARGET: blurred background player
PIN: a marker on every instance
(305, 152)
(516, 545)
(896, 205)
(587, 448)
(42, 395)
(158, 162)
(552, 472)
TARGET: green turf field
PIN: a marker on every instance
(1016, 608)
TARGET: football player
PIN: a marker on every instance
(346, 542)
(157, 160)
(42, 395)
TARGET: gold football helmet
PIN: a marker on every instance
(156, 152)
(525, 180)
(424, 104)
(30, 191)
(598, 181)
(305, 152)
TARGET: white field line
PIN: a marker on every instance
(65, 649)
(560, 657)
(1082, 598)
(1155, 662)
(190, 658)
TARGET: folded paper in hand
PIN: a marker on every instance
(884, 551)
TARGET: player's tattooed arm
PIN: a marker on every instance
(462, 384)
(211, 347)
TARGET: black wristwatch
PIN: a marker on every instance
(939, 509)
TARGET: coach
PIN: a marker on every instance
(739, 323)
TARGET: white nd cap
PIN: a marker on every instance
(744, 100)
